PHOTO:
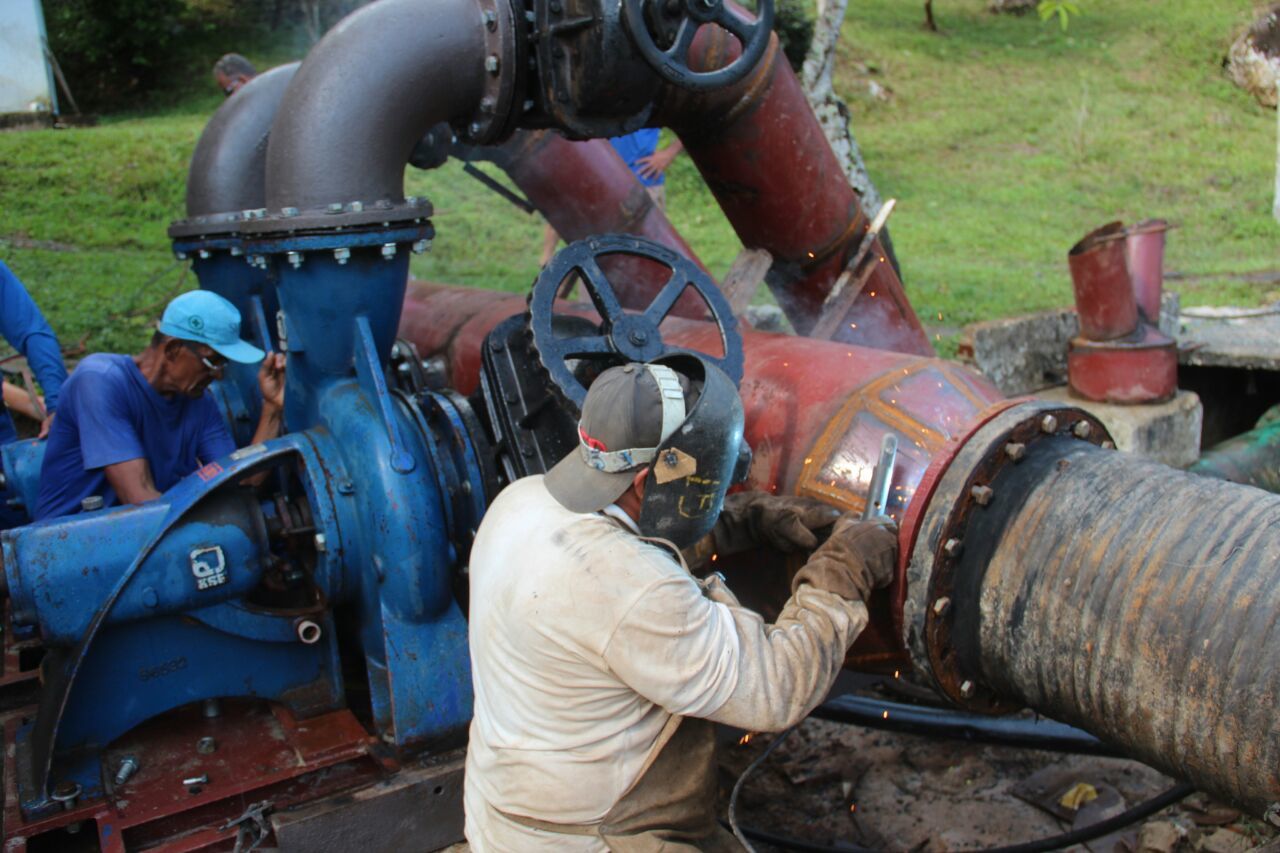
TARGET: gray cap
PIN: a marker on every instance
(628, 412)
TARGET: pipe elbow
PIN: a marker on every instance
(367, 93)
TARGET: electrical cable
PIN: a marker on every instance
(1044, 734)
(737, 787)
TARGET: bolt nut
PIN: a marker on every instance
(491, 63)
(952, 547)
(334, 207)
(289, 211)
(1015, 451)
(206, 746)
(1049, 424)
(1082, 429)
(967, 689)
(236, 251)
(941, 606)
(341, 256)
(212, 708)
(321, 544)
(490, 21)
(92, 503)
(204, 254)
(294, 259)
(982, 495)
(420, 246)
(128, 766)
(66, 792)
(388, 250)
(182, 256)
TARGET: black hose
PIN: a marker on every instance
(1054, 842)
(1048, 735)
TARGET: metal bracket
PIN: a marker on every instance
(374, 383)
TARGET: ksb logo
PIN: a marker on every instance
(209, 567)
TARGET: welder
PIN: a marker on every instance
(601, 663)
(130, 427)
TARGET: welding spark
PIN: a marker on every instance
(885, 715)
(745, 739)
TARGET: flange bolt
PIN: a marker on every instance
(92, 503)
(952, 547)
(206, 746)
(1015, 451)
(941, 606)
(1049, 424)
(967, 689)
(981, 494)
(66, 792)
(1082, 429)
(342, 256)
(128, 766)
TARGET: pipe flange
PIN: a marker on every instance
(338, 216)
(501, 103)
(936, 595)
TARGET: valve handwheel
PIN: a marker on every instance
(623, 335)
(672, 63)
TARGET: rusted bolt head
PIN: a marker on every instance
(1082, 429)
(941, 606)
(952, 547)
(206, 746)
(967, 689)
(982, 494)
(491, 63)
(1049, 424)
(1015, 450)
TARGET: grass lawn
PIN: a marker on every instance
(1004, 141)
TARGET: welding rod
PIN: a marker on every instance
(881, 478)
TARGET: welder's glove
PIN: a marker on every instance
(858, 557)
(749, 520)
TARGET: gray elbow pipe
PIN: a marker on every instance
(228, 168)
(371, 88)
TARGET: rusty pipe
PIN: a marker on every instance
(1135, 601)
(764, 156)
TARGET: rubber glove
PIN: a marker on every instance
(858, 557)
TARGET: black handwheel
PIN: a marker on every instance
(672, 63)
(623, 335)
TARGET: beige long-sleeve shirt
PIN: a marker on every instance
(585, 639)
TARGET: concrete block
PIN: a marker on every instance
(1164, 432)
(1023, 354)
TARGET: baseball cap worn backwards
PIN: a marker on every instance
(209, 319)
(629, 411)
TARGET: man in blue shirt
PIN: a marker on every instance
(24, 327)
(130, 427)
(640, 152)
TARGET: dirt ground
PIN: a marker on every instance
(839, 785)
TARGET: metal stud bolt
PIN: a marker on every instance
(388, 250)
(356, 206)
(202, 779)
(941, 606)
(952, 547)
(322, 544)
(1049, 424)
(1015, 451)
(1082, 429)
(128, 766)
(204, 254)
(341, 256)
(289, 211)
(334, 207)
(491, 64)
(236, 251)
(967, 689)
(981, 494)
(294, 259)
(490, 20)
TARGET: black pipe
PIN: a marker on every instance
(1136, 601)
(367, 93)
(1048, 735)
(228, 168)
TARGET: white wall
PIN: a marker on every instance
(24, 73)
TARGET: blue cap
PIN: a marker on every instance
(207, 318)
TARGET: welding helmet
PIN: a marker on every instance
(681, 417)
(702, 457)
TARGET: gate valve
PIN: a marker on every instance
(686, 17)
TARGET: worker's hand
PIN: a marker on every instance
(783, 522)
(858, 557)
(271, 380)
(44, 426)
(656, 163)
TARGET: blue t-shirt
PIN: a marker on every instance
(636, 145)
(26, 330)
(109, 413)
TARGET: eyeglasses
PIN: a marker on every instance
(215, 368)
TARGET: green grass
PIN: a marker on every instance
(1005, 141)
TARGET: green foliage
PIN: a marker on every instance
(1063, 9)
(793, 22)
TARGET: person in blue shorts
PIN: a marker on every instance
(649, 163)
(130, 427)
(26, 330)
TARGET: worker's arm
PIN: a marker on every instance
(271, 384)
(25, 328)
(702, 658)
(18, 400)
(132, 481)
(785, 523)
(657, 162)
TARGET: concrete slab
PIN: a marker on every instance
(1164, 432)
(1233, 338)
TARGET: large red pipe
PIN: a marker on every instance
(815, 411)
(764, 156)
